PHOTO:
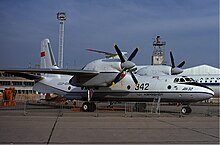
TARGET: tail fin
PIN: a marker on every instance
(47, 57)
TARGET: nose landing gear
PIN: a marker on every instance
(186, 110)
(88, 107)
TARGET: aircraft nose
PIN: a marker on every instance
(210, 93)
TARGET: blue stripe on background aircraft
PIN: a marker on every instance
(111, 79)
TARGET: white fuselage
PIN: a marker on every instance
(148, 88)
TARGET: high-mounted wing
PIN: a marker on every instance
(49, 71)
(80, 78)
(29, 76)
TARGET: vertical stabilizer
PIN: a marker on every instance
(46, 55)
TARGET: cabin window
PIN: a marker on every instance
(169, 87)
(128, 87)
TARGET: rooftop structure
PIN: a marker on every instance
(158, 52)
(201, 70)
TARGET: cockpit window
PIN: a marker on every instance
(187, 79)
(192, 80)
(183, 79)
(176, 80)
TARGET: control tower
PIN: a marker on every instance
(158, 52)
(61, 16)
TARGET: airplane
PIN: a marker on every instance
(110, 79)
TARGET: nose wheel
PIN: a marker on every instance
(186, 110)
(88, 107)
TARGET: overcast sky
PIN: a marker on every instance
(189, 27)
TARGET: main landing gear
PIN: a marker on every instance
(186, 110)
(89, 106)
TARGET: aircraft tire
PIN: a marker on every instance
(88, 107)
(85, 107)
(186, 110)
(93, 107)
(189, 110)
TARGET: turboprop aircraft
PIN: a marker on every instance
(111, 80)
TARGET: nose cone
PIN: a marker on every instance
(209, 93)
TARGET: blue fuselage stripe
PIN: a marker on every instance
(211, 84)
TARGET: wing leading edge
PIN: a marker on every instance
(50, 71)
(80, 78)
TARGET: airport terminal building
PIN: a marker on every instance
(201, 70)
(24, 87)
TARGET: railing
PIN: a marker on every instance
(126, 109)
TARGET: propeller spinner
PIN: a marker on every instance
(126, 65)
(175, 70)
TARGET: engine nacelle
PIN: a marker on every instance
(100, 80)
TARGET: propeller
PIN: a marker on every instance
(126, 65)
(175, 70)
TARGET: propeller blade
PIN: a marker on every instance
(181, 64)
(120, 76)
(126, 65)
(172, 59)
(117, 78)
(134, 78)
(119, 53)
(133, 54)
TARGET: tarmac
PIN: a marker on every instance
(63, 126)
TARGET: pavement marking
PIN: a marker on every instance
(51, 133)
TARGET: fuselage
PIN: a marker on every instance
(148, 88)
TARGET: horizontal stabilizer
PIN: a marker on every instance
(107, 54)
